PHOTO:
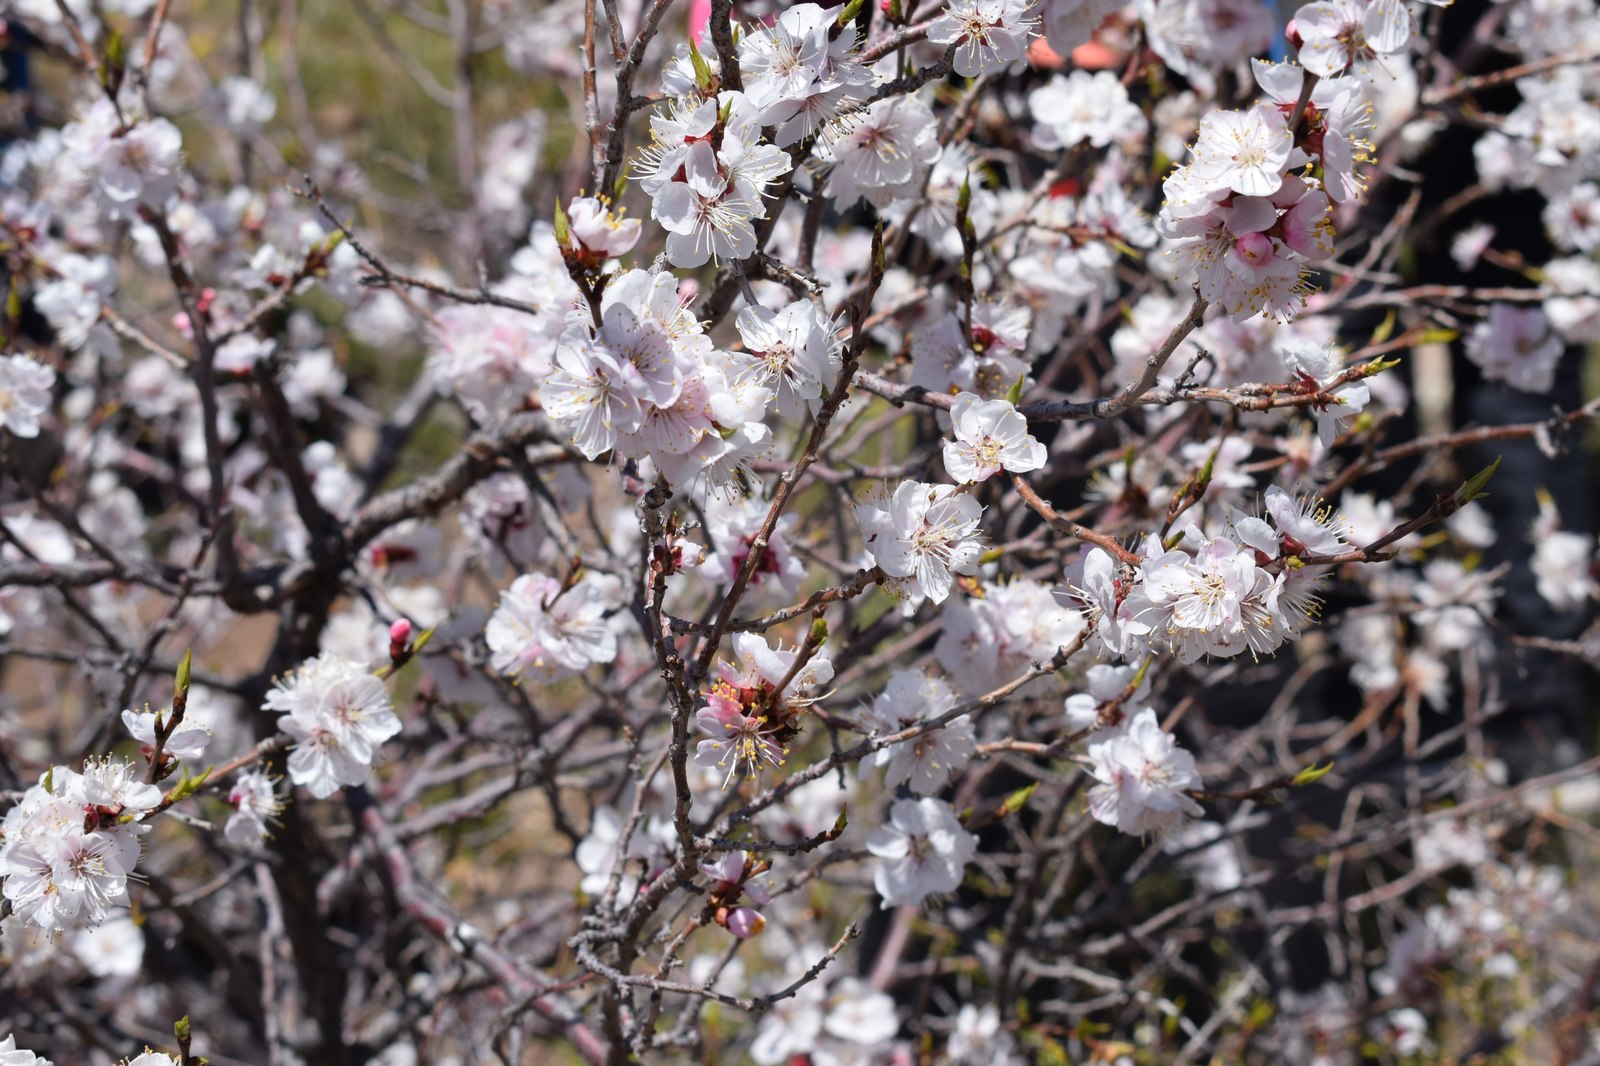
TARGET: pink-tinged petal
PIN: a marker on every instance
(745, 922)
(1307, 228)
(730, 867)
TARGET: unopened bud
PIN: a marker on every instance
(399, 639)
(1254, 248)
(180, 679)
(745, 922)
(562, 226)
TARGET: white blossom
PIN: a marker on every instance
(67, 854)
(1083, 107)
(1214, 602)
(1338, 34)
(921, 850)
(256, 808)
(792, 351)
(1319, 366)
(986, 641)
(979, 1039)
(884, 153)
(544, 630)
(1143, 776)
(25, 385)
(928, 534)
(1563, 561)
(987, 34)
(990, 436)
(339, 716)
(860, 1014)
(11, 1055)
(1245, 151)
(926, 762)
(187, 741)
(1515, 345)
(800, 74)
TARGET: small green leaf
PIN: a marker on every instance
(1014, 393)
(819, 632)
(1385, 328)
(1311, 775)
(422, 640)
(180, 1028)
(702, 69)
(842, 822)
(1379, 365)
(187, 787)
(1472, 488)
(563, 230)
(114, 63)
(180, 682)
(1138, 678)
(851, 10)
(1017, 800)
(1203, 478)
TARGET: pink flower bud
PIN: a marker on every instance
(745, 922)
(400, 631)
(1254, 248)
(1291, 33)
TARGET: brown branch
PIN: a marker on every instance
(1069, 527)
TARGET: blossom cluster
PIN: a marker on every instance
(1239, 217)
(72, 842)
(338, 716)
(845, 526)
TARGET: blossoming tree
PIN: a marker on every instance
(941, 531)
